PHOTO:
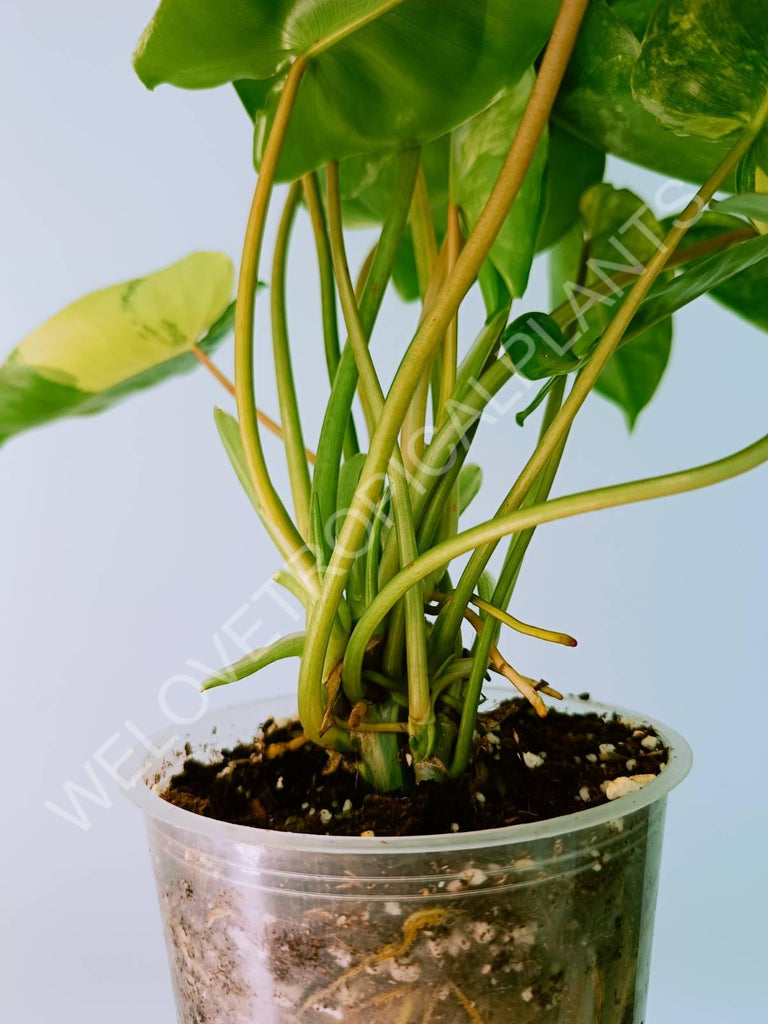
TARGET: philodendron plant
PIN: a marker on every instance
(474, 134)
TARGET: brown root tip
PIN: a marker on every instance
(572, 641)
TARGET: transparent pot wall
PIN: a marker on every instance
(535, 924)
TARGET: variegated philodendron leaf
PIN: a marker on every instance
(597, 103)
(703, 65)
(115, 341)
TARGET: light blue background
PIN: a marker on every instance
(126, 543)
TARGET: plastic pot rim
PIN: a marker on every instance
(143, 765)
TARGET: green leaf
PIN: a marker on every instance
(229, 432)
(367, 184)
(620, 234)
(703, 66)
(703, 277)
(538, 348)
(633, 374)
(745, 292)
(478, 151)
(597, 104)
(573, 166)
(405, 276)
(383, 73)
(116, 341)
(470, 482)
(495, 293)
(290, 646)
(750, 205)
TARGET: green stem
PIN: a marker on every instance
(451, 342)
(293, 438)
(441, 452)
(430, 333)
(430, 270)
(289, 541)
(449, 624)
(501, 596)
(415, 630)
(338, 412)
(547, 512)
(327, 296)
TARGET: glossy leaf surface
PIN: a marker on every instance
(382, 74)
(597, 103)
(538, 348)
(703, 65)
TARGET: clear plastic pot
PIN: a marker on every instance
(546, 923)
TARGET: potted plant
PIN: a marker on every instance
(414, 845)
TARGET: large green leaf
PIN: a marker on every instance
(703, 66)
(596, 101)
(383, 73)
(573, 166)
(116, 341)
(479, 148)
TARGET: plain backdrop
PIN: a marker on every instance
(126, 544)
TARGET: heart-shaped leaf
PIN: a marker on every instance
(538, 348)
(116, 341)
(479, 148)
(633, 374)
(382, 73)
(596, 101)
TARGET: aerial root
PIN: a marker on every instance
(525, 686)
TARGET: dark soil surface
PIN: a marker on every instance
(525, 769)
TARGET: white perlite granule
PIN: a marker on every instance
(625, 784)
(532, 760)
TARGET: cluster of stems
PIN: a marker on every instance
(383, 663)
